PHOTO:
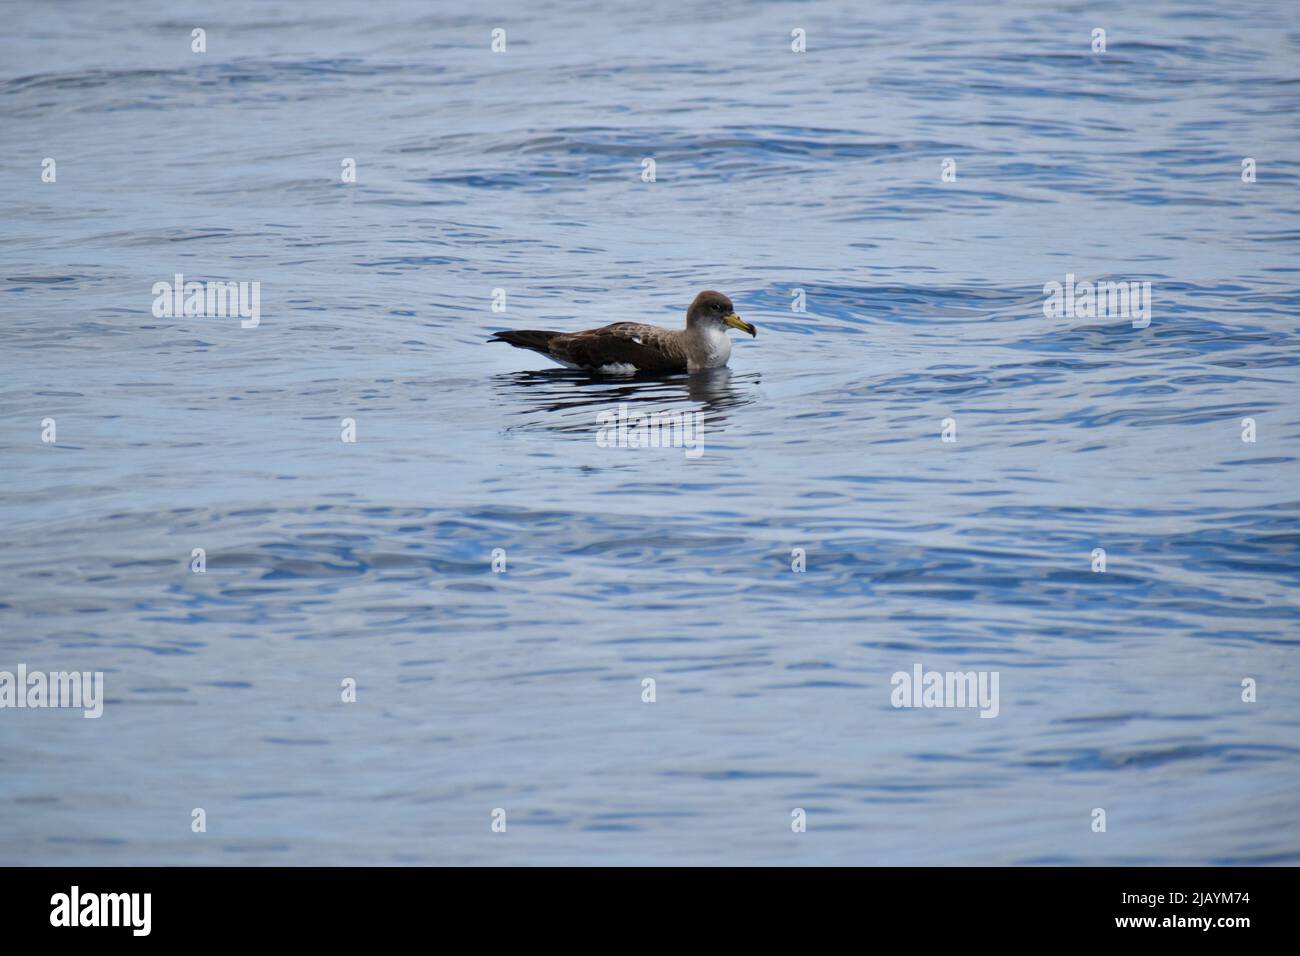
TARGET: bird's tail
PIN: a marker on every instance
(526, 339)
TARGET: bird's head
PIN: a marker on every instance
(713, 309)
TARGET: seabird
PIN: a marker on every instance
(627, 347)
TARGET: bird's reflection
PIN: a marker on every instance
(566, 400)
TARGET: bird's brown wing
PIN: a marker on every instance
(647, 347)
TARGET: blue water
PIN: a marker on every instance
(522, 690)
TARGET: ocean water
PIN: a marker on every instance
(521, 690)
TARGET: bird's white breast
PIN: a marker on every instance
(716, 350)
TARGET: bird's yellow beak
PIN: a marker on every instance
(736, 322)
